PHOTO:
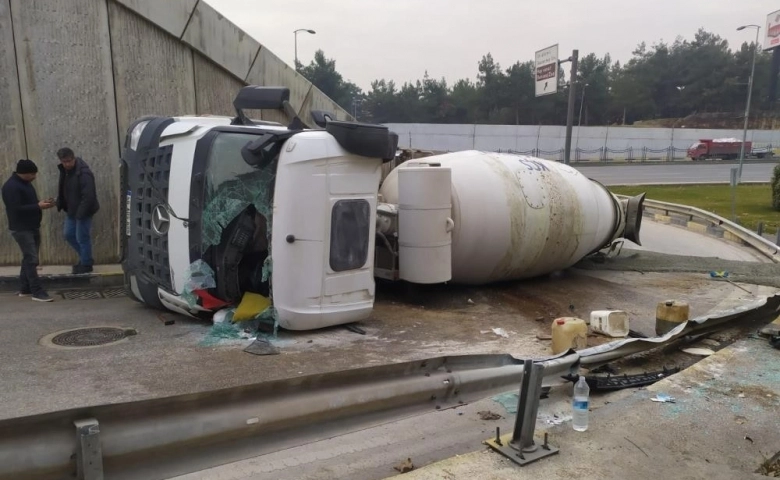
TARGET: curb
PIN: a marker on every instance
(10, 283)
(697, 225)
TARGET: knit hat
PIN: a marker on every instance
(26, 166)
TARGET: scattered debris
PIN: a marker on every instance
(354, 329)
(224, 315)
(553, 419)
(470, 301)
(711, 342)
(740, 419)
(539, 319)
(199, 276)
(663, 398)
(542, 336)
(741, 395)
(500, 332)
(702, 352)
(770, 467)
(224, 331)
(619, 382)
(749, 439)
(165, 319)
(606, 368)
(724, 275)
(252, 305)
(405, 467)
(261, 346)
(488, 415)
(637, 446)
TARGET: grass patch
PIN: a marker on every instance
(753, 201)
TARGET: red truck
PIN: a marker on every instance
(724, 148)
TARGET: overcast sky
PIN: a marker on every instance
(401, 39)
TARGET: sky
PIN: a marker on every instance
(402, 39)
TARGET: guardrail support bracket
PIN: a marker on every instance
(89, 455)
(519, 446)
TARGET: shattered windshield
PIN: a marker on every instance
(236, 221)
(232, 185)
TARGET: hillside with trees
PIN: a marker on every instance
(685, 78)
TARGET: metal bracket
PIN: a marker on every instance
(519, 446)
(89, 455)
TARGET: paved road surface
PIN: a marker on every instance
(672, 240)
(675, 173)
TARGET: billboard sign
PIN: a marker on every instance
(772, 32)
(546, 70)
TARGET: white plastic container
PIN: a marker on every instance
(613, 323)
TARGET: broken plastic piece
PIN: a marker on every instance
(209, 301)
(703, 352)
(500, 332)
(251, 306)
(663, 398)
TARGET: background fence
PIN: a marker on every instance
(588, 143)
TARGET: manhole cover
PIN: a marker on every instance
(114, 292)
(81, 295)
(89, 337)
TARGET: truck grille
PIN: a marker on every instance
(149, 186)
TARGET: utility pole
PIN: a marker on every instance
(572, 98)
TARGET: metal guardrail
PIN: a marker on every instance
(748, 237)
(166, 437)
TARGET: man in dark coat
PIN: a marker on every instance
(78, 198)
(24, 212)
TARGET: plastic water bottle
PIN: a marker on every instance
(580, 405)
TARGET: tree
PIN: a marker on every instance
(662, 80)
(323, 74)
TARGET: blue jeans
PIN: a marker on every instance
(78, 233)
(29, 242)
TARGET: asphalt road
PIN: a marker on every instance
(644, 174)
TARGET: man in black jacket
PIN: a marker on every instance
(78, 198)
(24, 220)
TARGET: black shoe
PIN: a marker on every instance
(82, 269)
(75, 269)
(42, 297)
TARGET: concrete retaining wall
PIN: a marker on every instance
(441, 137)
(77, 72)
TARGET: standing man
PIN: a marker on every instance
(24, 220)
(78, 198)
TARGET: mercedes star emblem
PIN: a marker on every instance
(161, 220)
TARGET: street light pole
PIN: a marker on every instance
(747, 104)
(295, 33)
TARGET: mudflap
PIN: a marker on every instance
(634, 209)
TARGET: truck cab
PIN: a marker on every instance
(215, 207)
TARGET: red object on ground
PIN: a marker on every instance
(209, 301)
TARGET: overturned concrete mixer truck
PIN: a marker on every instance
(217, 207)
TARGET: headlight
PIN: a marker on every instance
(135, 135)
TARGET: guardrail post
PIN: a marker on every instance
(777, 236)
(522, 449)
(89, 455)
(760, 228)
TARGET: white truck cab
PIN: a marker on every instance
(219, 206)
